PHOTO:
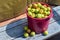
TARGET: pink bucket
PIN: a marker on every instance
(39, 25)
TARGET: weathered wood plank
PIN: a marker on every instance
(12, 25)
(56, 14)
(12, 33)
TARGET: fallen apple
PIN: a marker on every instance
(28, 31)
(25, 28)
(26, 35)
(32, 33)
(45, 33)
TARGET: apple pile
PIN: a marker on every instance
(38, 10)
(32, 33)
(28, 32)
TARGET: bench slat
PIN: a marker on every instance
(12, 25)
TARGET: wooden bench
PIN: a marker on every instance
(14, 30)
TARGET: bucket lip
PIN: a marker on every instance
(40, 18)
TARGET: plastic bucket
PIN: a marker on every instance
(39, 25)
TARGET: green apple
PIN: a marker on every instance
(42, 7)
(45, 33)
(42, 15)
(34, 5)
(41, 11)
(32, 10)
(45, 9)
(39, 5)
(28, 31)
(32, 33)
(48, 13)
(45, 12)
(48, 8)
(25, 28)
(38, 15)
(29, 13)
(30, 6)
(33, 15)
(29, 9)
(26, 35)
(38, 8)
(36, 11)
